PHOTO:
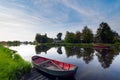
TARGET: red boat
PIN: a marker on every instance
(54, 67)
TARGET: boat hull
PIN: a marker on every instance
(56, 73)
(61, 73)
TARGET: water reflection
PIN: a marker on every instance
(88, 54)
(104, 56)
(42, 48)
(85, 53)
(71, 51)
(59, 50)
(91, 62)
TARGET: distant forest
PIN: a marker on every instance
(104, 34)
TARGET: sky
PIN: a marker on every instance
(22, 19)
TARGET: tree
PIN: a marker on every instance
(116, 37)
(87, 35)
(104, 34)
(69, 37)
(42, 38)
(59, 35)
(77, 37)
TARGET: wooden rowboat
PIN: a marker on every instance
(53, 67)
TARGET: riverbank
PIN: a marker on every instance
(12, 66)
(83, 45)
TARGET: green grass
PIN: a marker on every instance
(69, 44)
(79, 44)
(12, 66)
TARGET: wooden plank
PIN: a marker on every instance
(58, 66)
(38, 75)
(35, 75)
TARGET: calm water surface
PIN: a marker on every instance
(93, 64)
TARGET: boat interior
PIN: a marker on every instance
(53, 64)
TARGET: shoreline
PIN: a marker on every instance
(12, 66)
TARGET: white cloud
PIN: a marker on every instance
(16, 24)
(21, 21)
(114, 23)
(86, 12)
(53, 10)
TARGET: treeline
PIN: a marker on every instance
(15, 43)
(86, 36)
(44, 39)
(104, 34)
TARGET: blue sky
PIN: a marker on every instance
(22, 19)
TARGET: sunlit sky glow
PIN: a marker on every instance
(22, 19)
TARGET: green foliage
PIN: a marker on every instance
(87, 35)
(13, 43)
(59, 35)
(105, 34)
(116, 38)
(42, 38)
(12, 66)
(77, 37)
(69, 37)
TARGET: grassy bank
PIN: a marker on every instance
(69, 44)
(12, 66)
(79, 44)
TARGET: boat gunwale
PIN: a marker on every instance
(72, 69)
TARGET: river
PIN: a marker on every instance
(93, 64)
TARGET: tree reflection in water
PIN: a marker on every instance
(41, 48)
(105, 56)
(88, 54)
(85, 53)
(71, 51)
(59, 50)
